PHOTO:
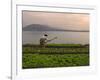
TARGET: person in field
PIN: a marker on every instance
(44, 40)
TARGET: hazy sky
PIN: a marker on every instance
(57, 20)
(71, 21)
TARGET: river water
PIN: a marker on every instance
(32, 37)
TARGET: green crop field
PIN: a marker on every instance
(55, 55)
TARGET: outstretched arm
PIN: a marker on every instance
(52, 39)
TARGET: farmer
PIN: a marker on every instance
(44, 40)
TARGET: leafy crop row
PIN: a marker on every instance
(55, 55)
(56, 60)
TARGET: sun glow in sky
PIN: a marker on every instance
(67, 21)
(74, 21)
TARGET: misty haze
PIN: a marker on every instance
(53, 39)
(69, 28)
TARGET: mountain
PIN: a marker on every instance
(39, 27)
